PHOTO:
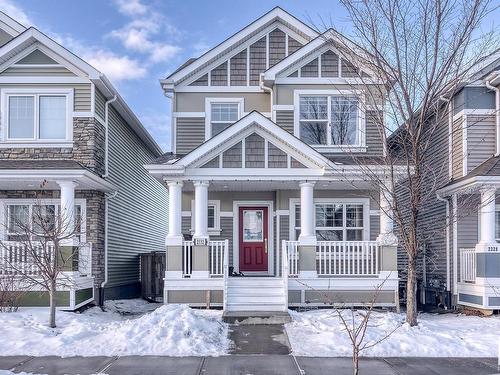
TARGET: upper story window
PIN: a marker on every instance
(330, 120)
(223, 115)
(37, 116)
(220, 114)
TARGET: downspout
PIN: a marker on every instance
(106, 135)
(497, 112)
(448, 273)
(107, 196)
(270, 91)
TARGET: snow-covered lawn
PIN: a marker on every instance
(127, 327)
(320, 333)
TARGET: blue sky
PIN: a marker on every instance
(137, 42)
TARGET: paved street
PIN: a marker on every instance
(245, 365)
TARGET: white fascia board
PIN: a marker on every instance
(83, 176)
(52, 45)
(239, 126)
(260, 22)
(10, 25)
(470, 183)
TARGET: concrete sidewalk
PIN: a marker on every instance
(245, 365)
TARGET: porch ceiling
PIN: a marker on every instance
(280, 185)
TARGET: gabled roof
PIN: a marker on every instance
(254, 122)
(10, 25)
(10, 53)
(276, 13)
(329, 38)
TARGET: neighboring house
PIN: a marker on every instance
(64, 123)
(462, 262)
(269, 128)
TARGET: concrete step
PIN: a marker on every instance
(260, 306)
(256, 317)
(248, 300)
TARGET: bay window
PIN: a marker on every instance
(335, 221)
(37, 116)
(329, 119)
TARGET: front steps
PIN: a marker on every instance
(256, 300)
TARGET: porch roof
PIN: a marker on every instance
(30, 174)
(487, 173)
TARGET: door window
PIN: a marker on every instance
(253, 226)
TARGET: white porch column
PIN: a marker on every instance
(487, 215)
(174, 236)
(200, 210)
(386, 236)
(67, 210)
(307, 234)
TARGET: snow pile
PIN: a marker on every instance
(321, 333)
(173, 330)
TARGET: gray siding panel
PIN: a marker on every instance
(467, 221)
(481, 139)
(190, 133)
(238, 69)
(100, 104)
(226, 226)
(276, 46)
(138, 213)
(285, 120)
(457, 151)
(257, 60)
(374, 227)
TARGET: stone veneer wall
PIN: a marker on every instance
(95, 203)
(88, 147)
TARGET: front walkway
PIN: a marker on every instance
(244, 364)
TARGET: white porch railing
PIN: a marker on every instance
(17, 259)
(187, 256)
(292, 252)
(216, 250)
(468, 265)
(347, 258)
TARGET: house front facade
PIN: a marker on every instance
(269, 206)
(70, 144)
(464, 257)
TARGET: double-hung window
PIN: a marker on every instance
(330, 120)
(221, 113)
(213, 216)
(37, 220)
(37, 116)
(335, 221)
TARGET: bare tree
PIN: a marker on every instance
(413, 56)
(357, 322)
(41, 252)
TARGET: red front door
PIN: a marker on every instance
(253, 222)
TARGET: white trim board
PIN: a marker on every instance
(236, 240)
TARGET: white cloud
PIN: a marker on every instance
(158, 125)
(15, 12)
(141, 33)
(131, 7)
(115, 67)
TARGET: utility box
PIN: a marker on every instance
(152, 275)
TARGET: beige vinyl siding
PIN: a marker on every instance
(56, 71)
(81, 97)
(189, 133)
(195, 102)
(138, 213)
(481, 139)
(457, 150)
(100, 104)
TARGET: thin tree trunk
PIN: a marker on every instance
(355, 361)
(52, 301)
(411, 294)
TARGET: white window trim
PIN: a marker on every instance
(211, 231)
(36, 142)
(82, 202)
(361, 147)
(208, 111)
(366, 213)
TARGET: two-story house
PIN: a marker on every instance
(65, 128)
(268, 203)
(463, 257)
